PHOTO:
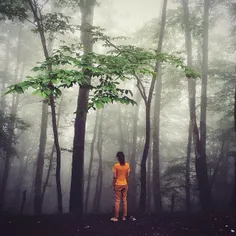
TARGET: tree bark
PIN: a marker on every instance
(121, 133)
(132, 194)
(204, 77)
(91, 163)
(142, 203)
(38, 204)
(77, 176)
(200, 159)
(187, 170)
(98, 192)
(156, 119)
(58, 151)
(149, 182)
(40, 160)
(233, 195)
(51, 156)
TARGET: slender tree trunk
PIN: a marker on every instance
(77, 176)
(51, 155)
(40, 160)
(156, 119)
(204, 77)
(23, 202)
(217, 167)
(200, 160)
(91, 163)
(15, 104)
(187, 170)
(132, 195)
(149, 182)
(142, 203)
(98, 192)
(221, 186)
(38, 204)
(58, 151)
(233, 195)
(121, 133)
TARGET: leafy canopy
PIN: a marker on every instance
(71, 67)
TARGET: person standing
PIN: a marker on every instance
(120, 185)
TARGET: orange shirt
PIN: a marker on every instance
(121, 172)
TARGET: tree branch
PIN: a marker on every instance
(141, 88)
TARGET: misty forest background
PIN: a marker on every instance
(179, 139)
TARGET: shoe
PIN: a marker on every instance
(114, 219)
(124, 218)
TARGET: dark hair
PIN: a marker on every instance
(121, 158)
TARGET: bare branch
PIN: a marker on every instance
(141, 88)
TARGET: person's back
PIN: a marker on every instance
(120, 184)
(121, 173)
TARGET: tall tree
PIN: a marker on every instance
(38, 18)
(200, 159)
(132, 194)
(98, 191)
(204, 77)
(187, 170)
(121, 133)
(91, 163)
(11, 122)
(77, 176)
(156, 118)
(50, 166)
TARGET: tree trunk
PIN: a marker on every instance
(149, 182)
(121, 134)
(142, 203)
(77, 176)
(91, 163)
(51, 156)
(40, 160)
(233, 195)
(221, 186)
(200, 159)
(23, 202)
(98, 192)
(132, 194)
(58, 151)
(156, 119)
(38, 204)
(187, 170)
(204, 77)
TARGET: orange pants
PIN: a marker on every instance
(121, 191)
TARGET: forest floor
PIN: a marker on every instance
(177, 224)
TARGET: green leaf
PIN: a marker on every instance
(36, 92)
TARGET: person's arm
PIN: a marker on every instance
(114, 177)
(114, 180)
(127, 175)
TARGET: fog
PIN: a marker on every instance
(123, 127)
